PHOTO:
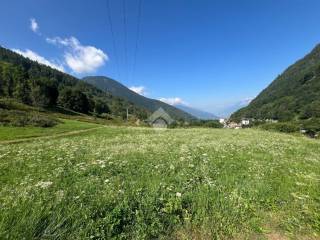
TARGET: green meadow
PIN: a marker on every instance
(141, 183)
(14, 133)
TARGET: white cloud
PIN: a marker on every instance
(34, 26)
(139, 89)
(36, 57)
(173, 101)
(80, 58)
(247, 100)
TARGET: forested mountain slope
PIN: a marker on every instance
(117, 89)
(39, 85)
(293, 94)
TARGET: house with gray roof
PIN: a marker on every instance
(160, 119)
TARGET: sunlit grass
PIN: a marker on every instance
(133, 183)
(10, 133)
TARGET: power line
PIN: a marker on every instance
(125, 37)
(137, 39)
(113, 38)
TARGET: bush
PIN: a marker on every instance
(285, 127)
(42, 121)
(213, 124)
(311, 127)
(205, 123)
(21, 119)
(173, 125)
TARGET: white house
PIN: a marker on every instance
(245, 122)
(222, 120)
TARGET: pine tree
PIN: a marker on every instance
(22, 88)
(1, 82)
(8, 81)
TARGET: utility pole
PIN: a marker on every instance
(127, 114)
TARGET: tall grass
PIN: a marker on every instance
(133, 183)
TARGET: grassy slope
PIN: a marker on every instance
(126, 183)
(10, 133)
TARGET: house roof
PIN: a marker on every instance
(160, 113)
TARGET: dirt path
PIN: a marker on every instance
(71, 133)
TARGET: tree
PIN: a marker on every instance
(44, 92)
(1, 82)
(311, 110)
(74, 99)
(8, 80)
(22, 89)
(101, 106)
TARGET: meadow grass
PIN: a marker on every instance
(138, 183)
(11, 133)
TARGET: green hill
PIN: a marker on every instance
(117, 89)
(38, 85)
(295, 94)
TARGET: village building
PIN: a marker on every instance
(233, 125)
(245, 122)
(160, 119)
(222, 120)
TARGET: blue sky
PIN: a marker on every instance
(209, 54)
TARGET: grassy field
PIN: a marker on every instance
(11, 133)
(135, 183)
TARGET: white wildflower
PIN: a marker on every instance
(42, 184)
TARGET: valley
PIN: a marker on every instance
(159, 120)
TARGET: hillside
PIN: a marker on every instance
(38, 85)
(293, 94)
(117, 89)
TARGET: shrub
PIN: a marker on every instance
(42, 121)
(213, 124)
(311, 127)
(205, 123)
(21, 118)
(285, 127)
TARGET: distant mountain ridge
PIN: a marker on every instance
(293, 94)
(197, 113)
(230, 108)
(117, 89)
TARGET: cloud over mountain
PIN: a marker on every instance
(173, 101)
(139, 89)
(36, 57)
(80, 58)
